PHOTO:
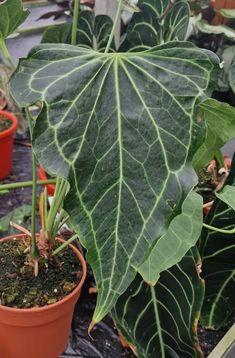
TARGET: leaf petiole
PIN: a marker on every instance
(222, 231)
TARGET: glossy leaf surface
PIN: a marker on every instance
(218, 266)
(121, 128)
(161, 321)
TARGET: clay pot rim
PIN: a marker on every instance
(12, 117)
(60, 302)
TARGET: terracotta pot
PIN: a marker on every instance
(223, 4)
(6, 145)
(43, 176)
(218, 5)
(38, 332)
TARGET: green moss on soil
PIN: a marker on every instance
(19, 288)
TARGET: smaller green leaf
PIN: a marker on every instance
(204, 27)
(182, 234)
(12, 15)
(17, 216)
(93, 31)
(217, 252)
(227, 195)
(57, 34)
(229, 13)
(220, 121)
(161, 321)
(157, 22)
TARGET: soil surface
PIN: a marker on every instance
(104, 341)
(5, 123)
(57, 276)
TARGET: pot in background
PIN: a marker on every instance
(6, 144)
(222, 4)
(38, 332)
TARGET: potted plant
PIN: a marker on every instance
(41, 275)
(119, 128)
(8, 124)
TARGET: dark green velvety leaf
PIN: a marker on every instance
(57, 34)
(161, 321)
(121, 128)
(218, 265)
(220, 121)
(93, 32)
(12, 15)
(157, 22)
(182, 234)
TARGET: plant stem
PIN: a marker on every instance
(64, 245)
(37, 28)
(75, 22)
(25, 184)
(117, 17)
(34, 251)
(222, 231)
(219, 159)
(6, 53)
(56, 205)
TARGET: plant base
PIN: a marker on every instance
(38, 332)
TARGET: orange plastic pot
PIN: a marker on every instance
(38, 332)
(42, 176)
(6, 144)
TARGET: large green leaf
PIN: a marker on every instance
(157, 22)
(93, 31)
(182, 234)
(218, 265)
(121, 128)
(12, 15)
(161, 321)
(220, 121)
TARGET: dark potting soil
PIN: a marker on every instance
(57, 276)
(104, 341)
(5, 123)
